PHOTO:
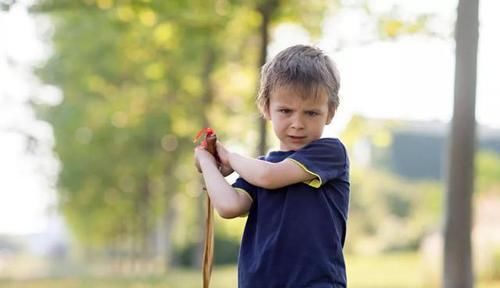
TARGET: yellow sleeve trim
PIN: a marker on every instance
(316, 182)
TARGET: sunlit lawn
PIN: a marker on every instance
(388, 271)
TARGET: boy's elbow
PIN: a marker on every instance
(227, 215)
(232, 206)
(228, 212)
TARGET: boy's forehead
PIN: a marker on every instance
(295, 92)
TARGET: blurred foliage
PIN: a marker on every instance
(134, 76)
(139, 79)
(391, 27)
(382, 203)
(487, 172)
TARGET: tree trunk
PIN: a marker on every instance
(143, 229)
(458, 270)
(266, 9)
(164, 240)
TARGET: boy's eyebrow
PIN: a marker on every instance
(313, 110)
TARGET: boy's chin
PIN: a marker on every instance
(292, 146)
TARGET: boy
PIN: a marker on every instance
(296, 198)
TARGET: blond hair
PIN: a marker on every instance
(301, 67)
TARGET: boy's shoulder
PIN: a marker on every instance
(323, 152)
(321, 146)
(327, 142)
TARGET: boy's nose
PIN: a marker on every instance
(297, 122)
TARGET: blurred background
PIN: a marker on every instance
(100, 100)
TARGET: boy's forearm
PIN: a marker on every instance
(224, 197)
(254, 171)
(269, 175)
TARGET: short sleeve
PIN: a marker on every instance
(325, 158)
(242, 184)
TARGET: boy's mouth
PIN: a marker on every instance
(297, 137)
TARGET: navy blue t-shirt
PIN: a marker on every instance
(294, 235)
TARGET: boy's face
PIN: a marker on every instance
(297, 121)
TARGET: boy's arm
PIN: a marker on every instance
(265, 174)
(269, 175)
(228, 202)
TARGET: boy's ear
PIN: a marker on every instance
(331, 113)
(266, 113)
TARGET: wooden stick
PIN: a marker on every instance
(208, 251)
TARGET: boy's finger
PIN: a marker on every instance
(200, 147)
(197, 165)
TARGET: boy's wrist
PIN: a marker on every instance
(231, 158)
(205, 161)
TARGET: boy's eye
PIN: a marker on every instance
(285, 111)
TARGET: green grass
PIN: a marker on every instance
(384, 271)
(398, 270)
(222, 277)
(395, 270)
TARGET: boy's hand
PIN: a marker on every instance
(226, 170)
(223, 153)
(201, 153)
